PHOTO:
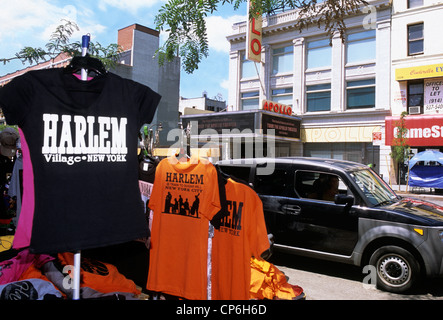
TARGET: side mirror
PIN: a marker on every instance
(344, 199)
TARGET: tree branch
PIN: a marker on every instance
(184, 20)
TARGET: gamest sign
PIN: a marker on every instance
(424, 130)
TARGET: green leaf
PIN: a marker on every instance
(59, 42)
(186, 24)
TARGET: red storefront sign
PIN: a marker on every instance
(276, 107)
(423, 130)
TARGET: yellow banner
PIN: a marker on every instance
(340, 134)
(421, 72)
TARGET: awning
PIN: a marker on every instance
(423, 130)
(246, 124)
(340, 134)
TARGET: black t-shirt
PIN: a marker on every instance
(82, 138)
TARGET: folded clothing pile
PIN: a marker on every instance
(268, 282)
(28, 276)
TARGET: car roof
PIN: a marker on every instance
(318, 162)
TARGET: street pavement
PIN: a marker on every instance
(325, 280)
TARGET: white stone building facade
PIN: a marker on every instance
(344, 91)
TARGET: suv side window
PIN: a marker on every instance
(238, 172)
(319, 185)
(279, 183)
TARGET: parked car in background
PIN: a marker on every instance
(343, 211)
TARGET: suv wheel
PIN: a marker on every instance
(397, 269)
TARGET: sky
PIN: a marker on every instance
(31, 22)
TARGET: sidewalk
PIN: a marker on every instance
(418, 192)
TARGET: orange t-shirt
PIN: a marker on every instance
(242, 235)
(184, 198)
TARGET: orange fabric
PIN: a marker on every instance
(184, 198)
(32, 273)
(267, 282)
(242, 234)
(100, 276)
(35, 273)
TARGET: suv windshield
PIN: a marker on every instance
(376, 191)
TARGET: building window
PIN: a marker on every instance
(360, 46)
(283, 96)
(360, 94)
(282, 60)
(415, 96)
(415, 39)
(248, 69)
(318, 97)
(250, 100)
(414, 3)
(319, 54)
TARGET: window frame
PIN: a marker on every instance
(282, 54)
(413, 4)
(422, 38)
(408, 88)
(253, 95)
(275, 97)
(361, 40)
(308, 50)
(244, 61)
(362, 86)
(320, 90)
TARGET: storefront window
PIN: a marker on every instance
(415, 39)
(360, 94)
(360, 46)
(318, 97)
(250, 100)
(319, 54)
(282, 60)
(283, 96)
(361, 152)
(247, 68)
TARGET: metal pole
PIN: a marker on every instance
(77, 255)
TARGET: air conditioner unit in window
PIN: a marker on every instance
(414, 110)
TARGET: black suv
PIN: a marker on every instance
(343, 211)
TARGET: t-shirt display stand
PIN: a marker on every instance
(80, 156)
(77, 254)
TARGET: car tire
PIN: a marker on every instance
(396, 268)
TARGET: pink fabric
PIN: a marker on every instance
(79, 77)
(11, 270)
(22, 237)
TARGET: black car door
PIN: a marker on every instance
(301, 218)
